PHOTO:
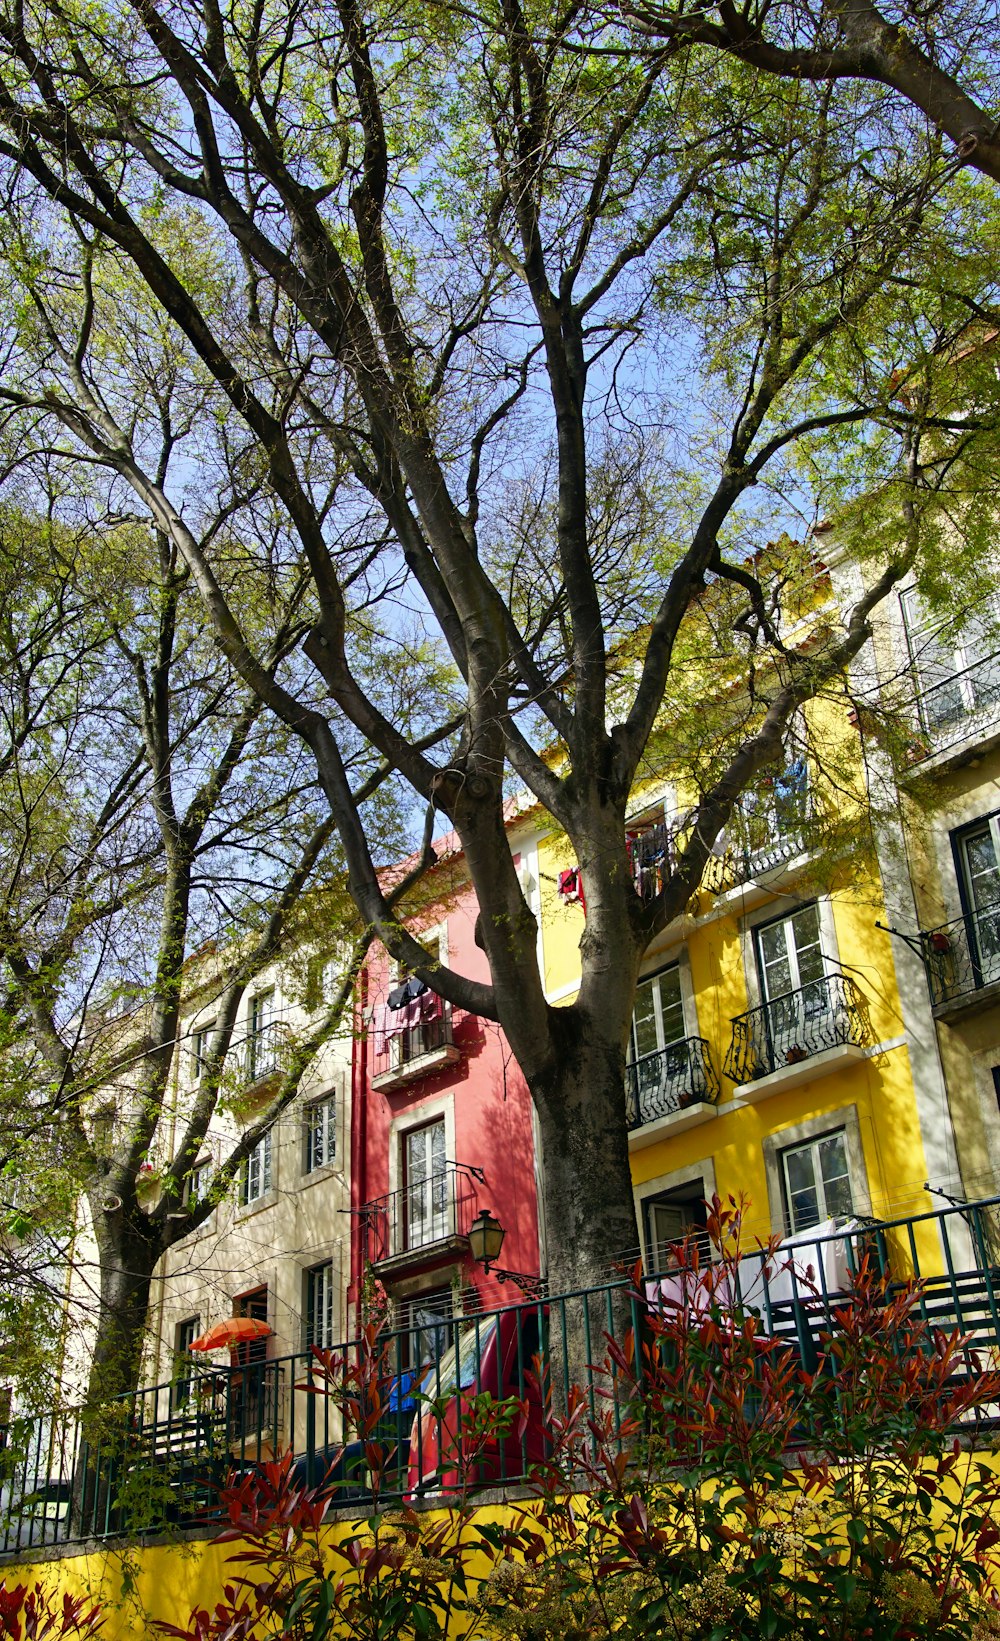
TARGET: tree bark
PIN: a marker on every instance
(128, 1253)
(590, 1222)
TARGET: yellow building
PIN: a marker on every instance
(948, 673)
(782, 1047)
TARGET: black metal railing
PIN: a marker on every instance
(420, 1215)
(796, 1025)
(948, 710)
(660, 1084)
(266, 1052)
(408, 1047)
(424, 1038)
(963, 956)
(143, 1463)
(766, 830)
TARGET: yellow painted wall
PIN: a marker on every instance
(881, 1088)
(165, 1582)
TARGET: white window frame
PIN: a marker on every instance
(689, 1026)
(813, 1128)
(769, 914)
(261, 1015)
(322, 1275)
(953, 635)
(440, 1220)
(326, 1108)
(257, 1172)
(199, 1043)
(198, 1182)
(811, 1146)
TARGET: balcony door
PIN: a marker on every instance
(658, 1016)
(794, 991)
(658, 1050)
(955, 663)
(979, 859)
(426, 1188)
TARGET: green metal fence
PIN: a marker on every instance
(413, 1415)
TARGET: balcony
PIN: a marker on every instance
(962, 959)
(415, 1051)
(422, 1223)
(671, 1087)
(266, 1054)
(957, 709)
(766, 831)
(797, 1036)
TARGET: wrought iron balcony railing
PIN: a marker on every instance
(956, 706)
(765, 831)
(421, 1214)
(412, 1044)
(660, 1084)
(963, 957)
(796, 1025)
(266, 1052)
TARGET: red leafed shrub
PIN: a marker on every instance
(32, 1614)
(719, 1484)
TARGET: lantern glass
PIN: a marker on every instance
(486, 1236)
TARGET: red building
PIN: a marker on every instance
(442, 1128)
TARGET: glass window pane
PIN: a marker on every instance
(644, 1022)
(671, 1005)
(832, 1151)
(775, 966)
(803, 1195)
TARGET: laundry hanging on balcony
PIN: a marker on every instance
(412, 1003)
(648, 850)
(570, 887)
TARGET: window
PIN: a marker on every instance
(416, 1020)
(977, 850)
(262, 1057)
(663, 1073)
(790, 957)
(955, 663)
(321, 1133)
(425, 1185)
(252, 1304)
(817, 1181)
(425, 1324)
(255, 1174)
(200, 1040)
(319, 1306)
(669, 1218)
(802, 1011)
(185, 1334)
(198, 1182)
(323, 975)
(658, 1018)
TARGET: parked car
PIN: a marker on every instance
(455, 1440)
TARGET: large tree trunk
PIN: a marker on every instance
(128, 1259)
(590, 1222)
(110, 1455)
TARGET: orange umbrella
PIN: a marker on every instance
(235, 1330)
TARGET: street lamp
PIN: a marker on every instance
(486, 1236)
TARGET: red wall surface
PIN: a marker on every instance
(492, 1113)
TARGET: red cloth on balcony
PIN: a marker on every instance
(571, 887)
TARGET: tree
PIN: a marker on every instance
(468, 257)
(942, 59)
(143, 816)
